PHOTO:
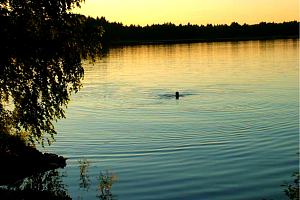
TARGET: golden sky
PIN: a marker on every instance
(145, 12)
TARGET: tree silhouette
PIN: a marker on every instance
(118, 33)
(42, 48)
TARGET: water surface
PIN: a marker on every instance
(233, 133)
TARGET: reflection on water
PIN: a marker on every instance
(46, 185)
(50, 185)
(173, 96)
(106, 182)
(237, 119)
(84, 179)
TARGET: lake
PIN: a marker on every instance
(233, 134)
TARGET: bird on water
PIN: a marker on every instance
(177, 95)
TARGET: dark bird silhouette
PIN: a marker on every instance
(177, 95)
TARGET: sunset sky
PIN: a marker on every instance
(145, 12)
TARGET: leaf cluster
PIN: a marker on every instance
(43, 45)
(292, 190)
(11, 146)
(106, 182)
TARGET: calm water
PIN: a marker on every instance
(233, 134)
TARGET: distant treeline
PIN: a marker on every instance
(119, 33)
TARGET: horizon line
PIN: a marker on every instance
(120, 22)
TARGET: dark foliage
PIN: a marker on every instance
(10, 147)
(168, 31)
(292, 190)
(44, 185)
(42, 48)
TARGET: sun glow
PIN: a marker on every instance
(145, 12)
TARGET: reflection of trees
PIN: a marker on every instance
(45, 185)
(105, 180)
(49, 185)
(84, 177)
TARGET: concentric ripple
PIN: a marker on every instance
(232, 135)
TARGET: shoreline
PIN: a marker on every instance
(30, 162)
(186, 41)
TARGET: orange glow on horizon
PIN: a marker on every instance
(145, 12)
